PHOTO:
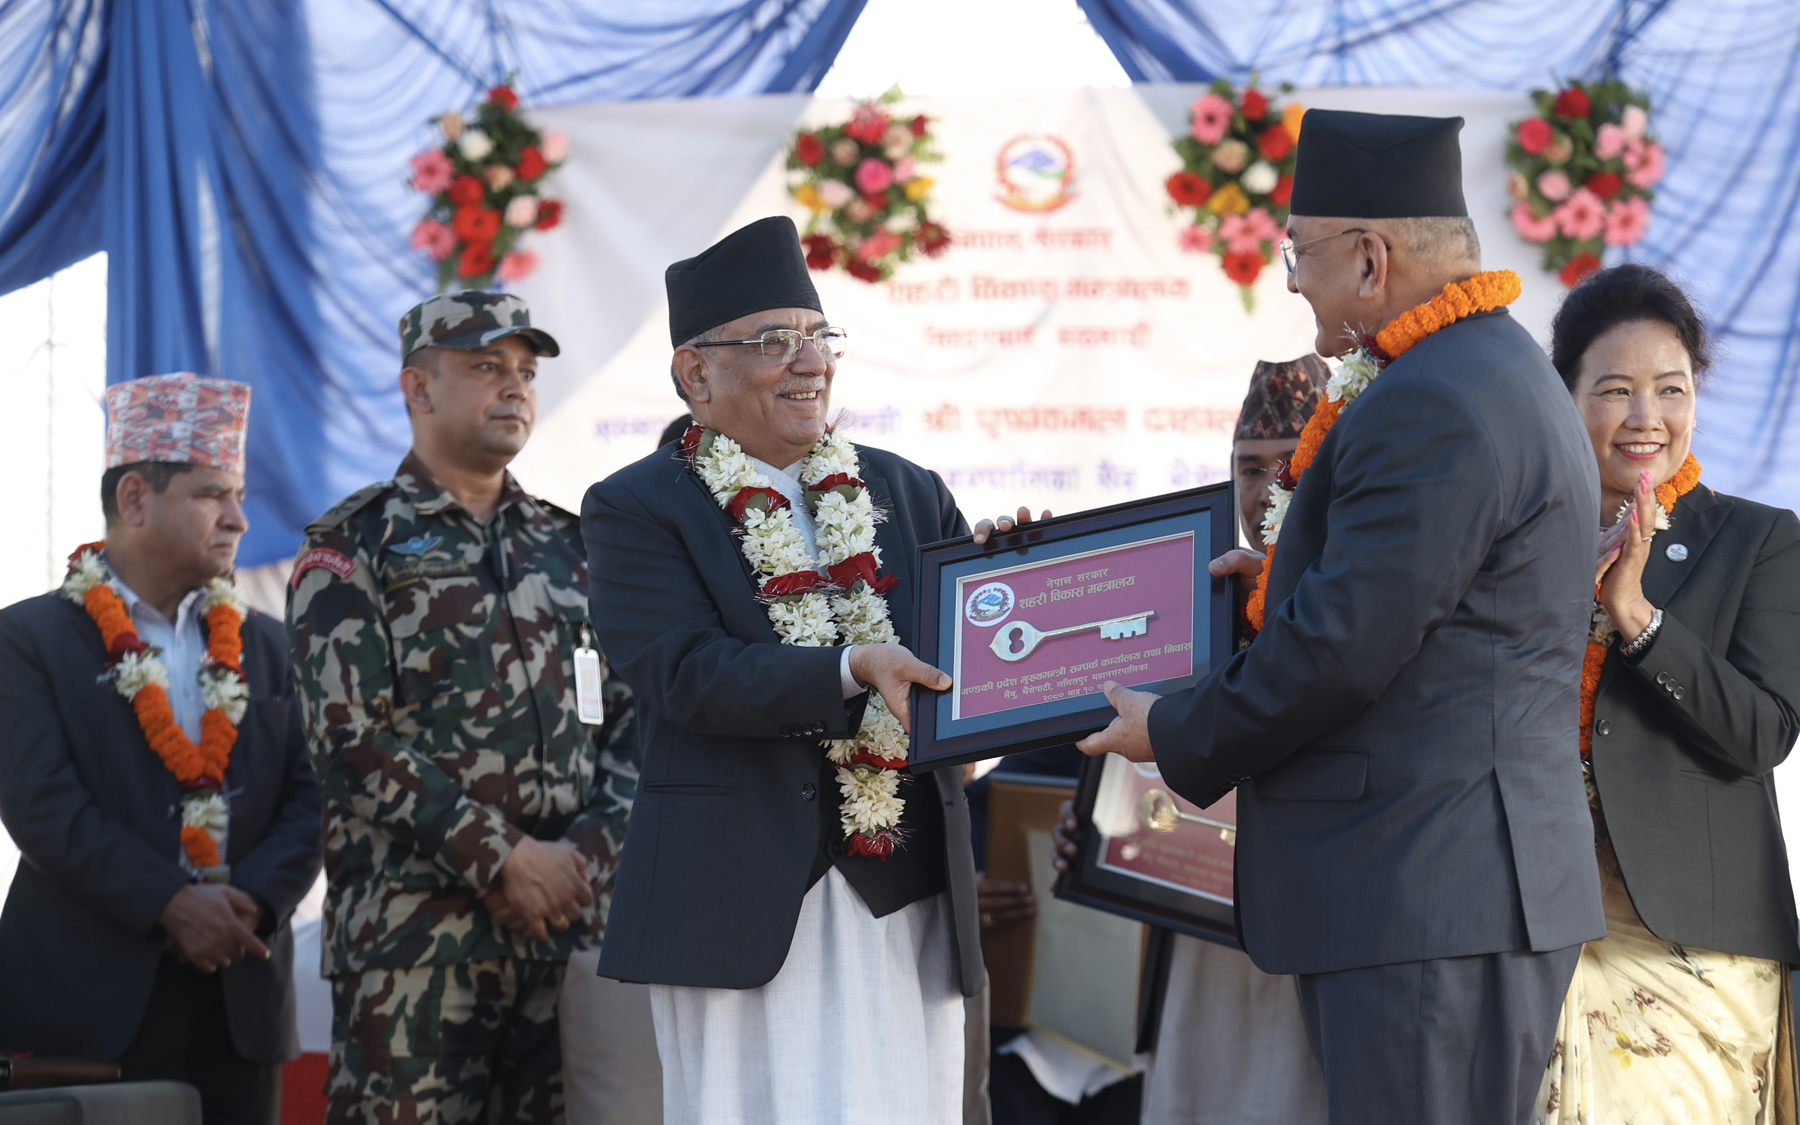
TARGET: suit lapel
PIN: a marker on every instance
(1693, 524)
(896, 559)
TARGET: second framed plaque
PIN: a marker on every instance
(1032, 624)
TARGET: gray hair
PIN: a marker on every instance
(707, 337)
(1437, 245)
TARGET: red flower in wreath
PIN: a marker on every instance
(531, 163)
(861, 270)
(1282, 191)
(932, 238)
(1573, 102)
(810, 149)
(503, 97)
(1579, 267)
(477, 259)
(1606, 185)
(1255, 105)
(1535, 135)
(917, 125)
(549, 214)
(1188, 189)
(821, 251)
(465, 190)
(1243, 266)
(1275, 143)
(475, 223)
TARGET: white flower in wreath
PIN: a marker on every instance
(206, 809)
(86, 572)
(863, 616)
(835, 193)
(1601, 631)
(845, 527)
(475, 144)
(1353, 375)
(805, 621)
(222, 591)
(225, 691)
(772, 543)
(1260, 178)
(137, 671)
(881, 733)
(834, 455)
(1279, 499)
(871, 799)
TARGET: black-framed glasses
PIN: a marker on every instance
(1288, 246)
(785, 343)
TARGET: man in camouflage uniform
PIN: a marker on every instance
(472, 819)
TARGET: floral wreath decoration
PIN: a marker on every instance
(486, 182)
(1583, 170)
(1237, 174)
(868, 204)
(138, 673)
(840, 599)
(1484, 292)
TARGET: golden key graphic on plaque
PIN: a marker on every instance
(1158, 812)
(1029, 637)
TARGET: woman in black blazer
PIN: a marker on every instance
(1683, 1012)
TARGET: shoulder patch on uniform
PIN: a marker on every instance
(349, 506)
(336, 562)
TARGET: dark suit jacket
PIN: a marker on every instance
(91, 808)
(1403, 730)
(727, 829)
(1687, 733)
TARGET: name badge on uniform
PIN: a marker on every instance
(589, 706)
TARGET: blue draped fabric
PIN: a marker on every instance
(1725, 102)
(242, 163)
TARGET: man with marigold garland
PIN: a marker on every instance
(155, 778)
(804, 912)
(475, 793)
(1402, 733)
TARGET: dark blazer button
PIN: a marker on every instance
(1602, 727)
(1662, 677)
(1676, 691)
(808, 791)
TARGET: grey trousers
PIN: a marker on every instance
(1461, 1039)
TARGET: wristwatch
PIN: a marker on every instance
(1643, 639)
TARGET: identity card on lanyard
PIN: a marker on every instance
(588, 703)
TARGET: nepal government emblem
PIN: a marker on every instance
(1036, 172)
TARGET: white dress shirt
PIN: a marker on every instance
(787, 482)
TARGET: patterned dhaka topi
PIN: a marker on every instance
(1282, 397)
(181, 418)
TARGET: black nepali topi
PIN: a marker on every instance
(753, 268)
(1378, 166)
(1282, 397)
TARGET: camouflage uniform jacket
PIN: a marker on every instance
(442, 722)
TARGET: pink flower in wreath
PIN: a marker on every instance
(1626, 221)
(1212, 116)
(555, 145)
(1530, 227)
(517, 265)
(1649, 170)
(835, 193)
(874, 176)
(434, 238)
(432, 171)
(1194, 240)
(522, 212)
(1554, 186)
(1633, 121)
(1263, 225)
(1582, 217)
(905, 168)
(877, 245)
(1609, 141)
(1239, 238)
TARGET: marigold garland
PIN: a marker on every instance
(1603, 632)
(140, 676)
(1484, 292)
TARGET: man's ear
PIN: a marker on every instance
(415, 387)
(132, 497)
(1372, 255)
(690, 372)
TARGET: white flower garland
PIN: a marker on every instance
(221, 688)
(1351, 379)
(826, 614)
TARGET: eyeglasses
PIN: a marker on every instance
(785, 343)
(1289, 246)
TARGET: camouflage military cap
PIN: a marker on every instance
(470, 319)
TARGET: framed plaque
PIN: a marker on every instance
(1032, 624)
(1151, 855)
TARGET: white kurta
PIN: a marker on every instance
(863, 1025)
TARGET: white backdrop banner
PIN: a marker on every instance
(1064, 356)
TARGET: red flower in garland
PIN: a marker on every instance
(1535, 135)
(531, 163)
(809, 149)
(1282, 191)
(748, 497)
(1243, 266)
(932, 238)
(503, 97)
(1572, 102)
(918, 125)
(1275, 143)
(477, 259)
(1606, 185)
(821, 251)
(861, 270)
(465, 190)
(1579, 267)
(862, 567)
(549, 214)
(1255, 105)
(782, 585)
(1188, 189)
(475, 223)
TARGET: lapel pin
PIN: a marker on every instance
(1677, 552)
